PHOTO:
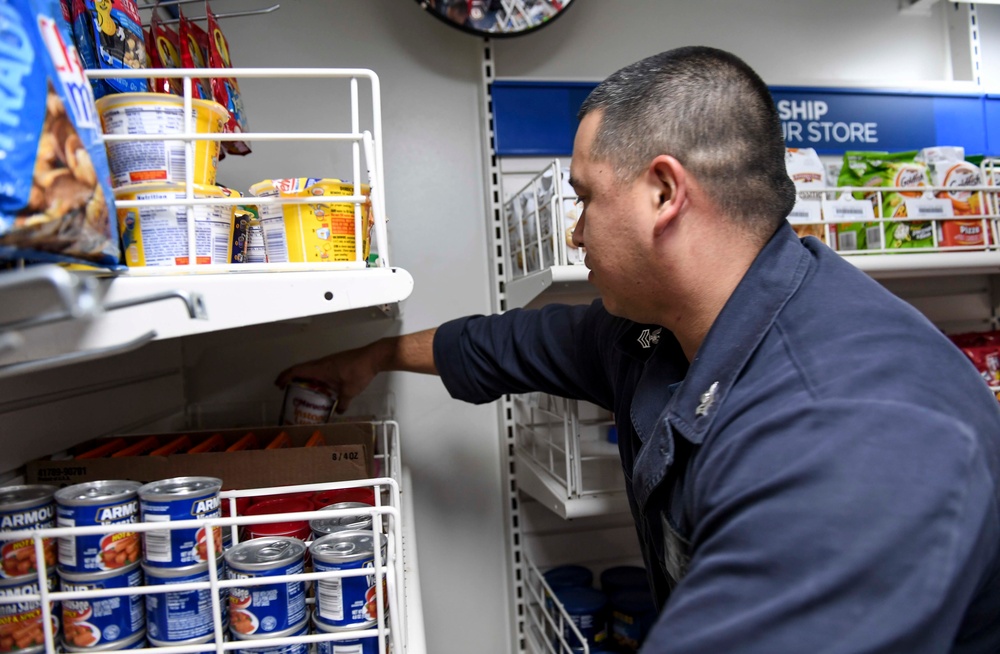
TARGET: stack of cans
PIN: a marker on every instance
(276, 610)
(182, 555)
(24, 508)
(107, 560)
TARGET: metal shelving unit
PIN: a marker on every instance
(102, 319)
(399, 614)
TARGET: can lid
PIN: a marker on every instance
(345, 546)
(581, 600)
(179, 487)
(566, 576)
(265, 553)
(356, 521)
(16, 497)
(91, 492)
(96, 575)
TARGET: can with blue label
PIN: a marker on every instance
(137, 641)
(633, 613)
(95, 621)
(180, 498)
(258, 644)
(587, 608)
(265, 609)
(21, 623)
(182, 617)
(367, 645)
(22, 508)
(347, 601)
(92, 503)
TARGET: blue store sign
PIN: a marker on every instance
(539, 119)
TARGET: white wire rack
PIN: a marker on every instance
(567, 461)
(548, 628)
(391, 623)
(540, 218)
(366, 140)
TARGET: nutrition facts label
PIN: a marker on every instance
(165, 238)
(145, 161)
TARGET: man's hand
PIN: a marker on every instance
(348, 373)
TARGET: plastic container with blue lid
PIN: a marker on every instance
(566, 576)
(587, 608)
(633, 613)
(623, 577)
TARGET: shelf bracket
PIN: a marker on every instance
(194, 303)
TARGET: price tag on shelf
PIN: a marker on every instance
(929, 208)
(806, 212)
(848, 211)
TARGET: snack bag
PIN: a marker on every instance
(983, 350)
(55, 193)
(161, 45)
(875, 169)
(806, 171)
(112, 29)
(948, 168)
(225, 89)
(192, 40)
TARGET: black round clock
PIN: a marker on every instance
(496, 18)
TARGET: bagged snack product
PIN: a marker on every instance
(225, 89)
(883, 169)
(55, 196)
(112, 30)
(806, 170)
(193, 42)
(949, 169)
(983, 350)
(162, 47)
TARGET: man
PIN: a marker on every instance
(812, 467)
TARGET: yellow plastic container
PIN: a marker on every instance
(322, 231)
(140, 162)
(158, 236)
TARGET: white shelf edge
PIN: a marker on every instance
(523, 290)
(416, 642)
(231, 300)
(537, 483)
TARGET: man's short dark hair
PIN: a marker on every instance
(714, 114)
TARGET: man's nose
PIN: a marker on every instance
(577, 237)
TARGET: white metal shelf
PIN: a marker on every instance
(541, 267)
(399, 615)
(39, 335)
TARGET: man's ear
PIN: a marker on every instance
(670, 182)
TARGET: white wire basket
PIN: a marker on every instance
(565, 443)
(548, 628)
(541, 216)
(388, 571)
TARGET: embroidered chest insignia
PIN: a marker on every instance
(707, 400)
(648, 339)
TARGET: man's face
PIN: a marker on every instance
(610, 227)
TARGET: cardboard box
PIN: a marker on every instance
(346, 456)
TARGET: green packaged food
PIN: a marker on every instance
(883, 169)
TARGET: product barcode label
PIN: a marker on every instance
(330, 599)
(874, 237)
(67, 544)
(806, 212)
(220, 246)
(847, 211)
(929, 208)
(847, 241)
(157, 543)
(274, 239)
(176, 162)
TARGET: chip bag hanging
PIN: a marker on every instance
(164, 52)
(55, 194)
(225, 89)
(193, 45)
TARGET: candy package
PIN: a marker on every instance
(225, 89)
